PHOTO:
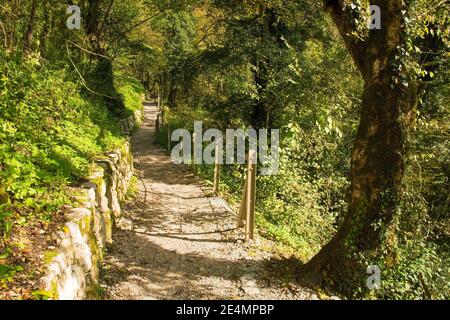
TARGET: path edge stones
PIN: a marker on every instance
(72, 269)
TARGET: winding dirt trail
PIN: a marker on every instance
(174, 242)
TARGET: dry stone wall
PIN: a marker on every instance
(72, 273)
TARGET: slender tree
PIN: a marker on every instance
(30, 27)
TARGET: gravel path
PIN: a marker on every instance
(174, 242)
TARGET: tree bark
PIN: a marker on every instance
(260, 117)
(172, 95)
(46, 29)
(30, 27)
(11, 26)
(377, 163)
(93, 25)
(105, 18)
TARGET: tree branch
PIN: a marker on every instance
(344, 20)
(104, 19)
(86, 50)
(136, 25)
(4, 33)
(83, 81)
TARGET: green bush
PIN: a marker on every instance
(130, 91)
(50, 132)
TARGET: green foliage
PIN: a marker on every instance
(50, 133)
(7, 273)
(42, 295)
(300, 72)
(51, 130)
(131, 92)
(421, 271)
(232, 64)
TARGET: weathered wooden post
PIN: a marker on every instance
(194, 165)
(216, 188)
(216, 179)
(159, 101)
(157, 124)
(243, 209)
(168, 140)
(217, 170)
(251, 196)
(246, 216)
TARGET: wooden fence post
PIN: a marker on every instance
(159, 101)
(157, 124)
(251, 196)
(194, 165)
(168, 140)
(243, 209)
(217, 169)
(246, 214)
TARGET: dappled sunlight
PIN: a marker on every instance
(173, 242)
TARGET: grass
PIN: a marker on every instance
(131, 91)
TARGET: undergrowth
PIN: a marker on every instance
(51, 130)
(301, 207)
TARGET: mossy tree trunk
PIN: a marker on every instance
(30, 27)
(377, 163)
(92, 24)
(261, 115)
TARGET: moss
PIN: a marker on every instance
(124, 150)
(42, 295)
(49, 255)
(95, 292)
(88, 221)
(66, 229)
(51, 294)
(132, 188)
(99, 182)
(4, 197)
(97, 254)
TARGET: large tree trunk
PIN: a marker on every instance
(11, 25)
(172, 95)
(30, 27)
(377, 163)
(377, 167)
(260, 117)
(93, 25)
(46, 29)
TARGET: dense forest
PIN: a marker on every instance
(363, 115)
